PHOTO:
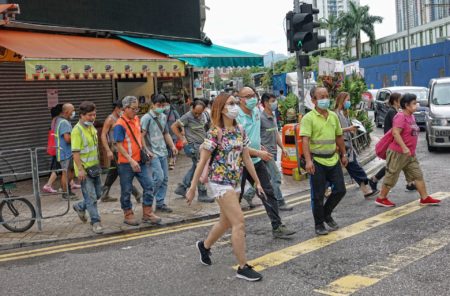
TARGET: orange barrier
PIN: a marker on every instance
(288, 134)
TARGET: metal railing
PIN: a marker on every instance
(33, 154)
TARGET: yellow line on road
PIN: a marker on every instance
(377, 271)
(133, 236)
(289, 253)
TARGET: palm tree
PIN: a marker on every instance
(330, 24)
(351, 23)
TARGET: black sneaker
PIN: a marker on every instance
(247, 273)
(373, 185)
(332, 224)
(164, 209)
(180, 190)
(411, 187)
(204, 253)
(321, 230)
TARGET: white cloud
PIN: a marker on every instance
(258, 25)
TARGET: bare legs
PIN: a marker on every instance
(231, 216)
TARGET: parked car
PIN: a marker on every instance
(381, 103)
(438, 116)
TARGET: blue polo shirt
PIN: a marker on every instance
(252, 126)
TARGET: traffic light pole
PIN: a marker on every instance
(300, 78)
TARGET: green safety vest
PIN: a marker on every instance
(89, 149)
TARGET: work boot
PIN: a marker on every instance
(282, 232)
(203, 196)
(129, 218)
(149, 217)
(137, 194)
(180, 190)
(105, 195)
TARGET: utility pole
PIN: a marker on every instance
(300, 79)
(409, 43)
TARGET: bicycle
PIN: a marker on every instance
(16, 214)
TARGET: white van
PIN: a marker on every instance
(438, 119)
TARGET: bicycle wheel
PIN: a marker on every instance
(18, 214)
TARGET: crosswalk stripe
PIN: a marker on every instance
(284, 255)
(373, 273)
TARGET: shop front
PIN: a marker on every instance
(40, 70)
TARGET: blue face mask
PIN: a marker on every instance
(274, 106)
(251, 103)
(323, 103)
(88, 123)
(159, 110)
(347, 105)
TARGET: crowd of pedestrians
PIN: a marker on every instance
(233, 144)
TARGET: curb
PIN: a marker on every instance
(6, 247)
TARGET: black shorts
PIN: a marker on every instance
(54, 165)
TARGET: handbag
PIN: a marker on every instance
(382, 146)
(144, 156)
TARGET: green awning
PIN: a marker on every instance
(198, 54)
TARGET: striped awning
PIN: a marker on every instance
(55, 56)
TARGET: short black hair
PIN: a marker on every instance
(117, 104)
(55, 111)
(407, 99)
(86, 107)
(281, 91)
(312, 92)
(159, 98)
(266, 97)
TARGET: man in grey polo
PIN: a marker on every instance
(270, 139)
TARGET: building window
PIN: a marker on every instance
(430, 34)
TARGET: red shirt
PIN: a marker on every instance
(410, 132)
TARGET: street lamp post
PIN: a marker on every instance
(409, 43)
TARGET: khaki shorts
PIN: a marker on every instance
(397, 162)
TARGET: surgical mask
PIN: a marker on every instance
(232, 112)
(274, 106)
(88, 123)
(120, 113)
(347, 105)
(251, 103)
(167, 108)
(72, 116)
(323, 103)
(160, 110)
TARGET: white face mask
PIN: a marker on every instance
(232, 112)
(73, 115)
(120, 113)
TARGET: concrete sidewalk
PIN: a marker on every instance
(69, 226)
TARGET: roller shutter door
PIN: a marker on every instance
(25, 117)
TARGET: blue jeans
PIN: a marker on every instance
(92, 190)
(160, 173)
(357, 173)
(127, 175)
(193, 154)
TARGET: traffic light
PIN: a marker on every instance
(296, 33)
(313, 43)
(300, 29)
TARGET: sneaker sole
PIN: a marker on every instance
(239, 276)
(201, 261)
(383, 205)
(429, 204)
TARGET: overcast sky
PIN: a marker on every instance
(257, 25)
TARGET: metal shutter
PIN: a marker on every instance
(24, 115)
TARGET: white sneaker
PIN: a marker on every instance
(97, 228)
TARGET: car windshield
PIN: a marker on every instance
(441, 94)
(421, 94)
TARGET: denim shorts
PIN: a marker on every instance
(219, 190)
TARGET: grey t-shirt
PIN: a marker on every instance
(154, 134)
(269, 132)
(194, 128)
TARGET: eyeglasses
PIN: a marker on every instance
(249, 96)
(134, 109)
(231, 104)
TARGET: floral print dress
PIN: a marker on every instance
(226, 165)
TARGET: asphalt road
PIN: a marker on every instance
(378, 251)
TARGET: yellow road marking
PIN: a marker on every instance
(289, 253)
(133, 236)
(377, 271)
